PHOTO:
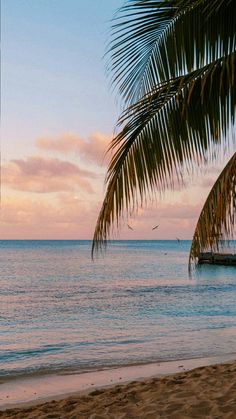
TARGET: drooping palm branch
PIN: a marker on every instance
(174, 62)
(217, 217)
(156, 40)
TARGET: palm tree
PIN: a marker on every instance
(174, 64)
(218, 213)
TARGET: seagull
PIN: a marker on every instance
(154, 228)
(129, 227)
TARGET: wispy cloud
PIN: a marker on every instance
(71, 210)
(66, 217)
(93, 148)
(166, 215)
(44, 175)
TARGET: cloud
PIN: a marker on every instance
(66, 217)
(44, 175)
(64, 214)
(92, 149)
(179, 211)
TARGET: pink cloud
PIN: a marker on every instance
(179, 211)
(93, 149)
(176, 219)
(37, 174)
(68, 216)
(65, 218)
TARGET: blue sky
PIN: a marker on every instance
(53, 74)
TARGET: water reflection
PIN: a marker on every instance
(59, 309)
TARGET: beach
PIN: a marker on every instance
(203, 392)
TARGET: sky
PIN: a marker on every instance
(58, 117)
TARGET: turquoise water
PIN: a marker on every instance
(59, 310)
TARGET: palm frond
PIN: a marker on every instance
(176, 124)
(217, 217)
(156, 40)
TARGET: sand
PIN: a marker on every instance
(205, 392)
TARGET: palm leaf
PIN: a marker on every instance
(174, 126)
(156, 40)
(217, 217)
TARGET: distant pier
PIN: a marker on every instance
(212, 258)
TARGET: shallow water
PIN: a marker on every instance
(60, 310)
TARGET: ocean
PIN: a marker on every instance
(61, 311)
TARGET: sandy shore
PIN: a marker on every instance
(204, 392)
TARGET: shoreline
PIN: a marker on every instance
(27, 391)
(77, 370)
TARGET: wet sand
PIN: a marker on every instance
(203, 392)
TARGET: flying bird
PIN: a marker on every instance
(154, 228)
(130, 227)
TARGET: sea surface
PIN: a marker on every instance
(59, 310)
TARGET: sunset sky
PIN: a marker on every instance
(58, 116)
